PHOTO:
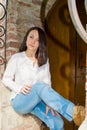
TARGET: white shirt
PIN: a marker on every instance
(20, 71)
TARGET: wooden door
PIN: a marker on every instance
(67, 55)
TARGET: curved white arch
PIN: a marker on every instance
(76, 20)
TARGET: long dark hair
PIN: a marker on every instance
(41, 53)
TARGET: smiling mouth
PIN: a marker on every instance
(31, 45)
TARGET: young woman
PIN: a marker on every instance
(28, 76)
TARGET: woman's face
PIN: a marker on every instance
(32, 41)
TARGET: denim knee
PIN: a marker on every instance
(39, 86)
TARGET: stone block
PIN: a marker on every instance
(10, 120)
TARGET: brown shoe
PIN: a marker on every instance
(78, 114)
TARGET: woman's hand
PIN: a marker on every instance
(54, 113)
(26, 89)
(48, 108)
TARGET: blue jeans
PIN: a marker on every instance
(35, 102)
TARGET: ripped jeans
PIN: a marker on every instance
(35, 102)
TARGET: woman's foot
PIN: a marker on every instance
(78, 114)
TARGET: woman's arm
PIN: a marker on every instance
(9, 75)
(47, 75)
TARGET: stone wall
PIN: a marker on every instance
(21, 16)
